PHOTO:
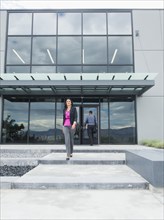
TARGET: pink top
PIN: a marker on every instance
(67, 121)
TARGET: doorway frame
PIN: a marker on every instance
(83, 105)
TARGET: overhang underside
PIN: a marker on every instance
(76, 84)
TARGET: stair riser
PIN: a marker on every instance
(107, 186)
(82, 162)
(90, 151)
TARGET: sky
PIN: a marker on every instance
(58, 4)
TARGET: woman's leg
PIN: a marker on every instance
(72, 132)
(66, 131)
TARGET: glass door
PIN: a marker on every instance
(81, 135)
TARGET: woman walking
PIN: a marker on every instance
(69, 125)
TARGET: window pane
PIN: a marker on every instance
(43, 69)
(42, 121)
(69, 50)
(104, 122)
(120, 50)
(18, 50)
(69, 69)
(20, 23)
(17, 69)
(59, 122)
(120, 69)
(95, 50)
(122, 123)
(44, 50)
(15, 122)
(69, 23)
(119, 23)
(94, 23)
(94, 69)
(44, 23)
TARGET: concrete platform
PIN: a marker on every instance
(81, 177)
(149, 164)
(84, 158)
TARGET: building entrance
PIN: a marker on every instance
(81, 135)
(39, 120)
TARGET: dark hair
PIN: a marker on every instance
(65, 105)
(90, 112)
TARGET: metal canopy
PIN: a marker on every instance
(76, 83)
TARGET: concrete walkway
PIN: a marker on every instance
(82, 204)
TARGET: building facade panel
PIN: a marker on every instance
(3, 28)
(151, 62)
(150, 118)
(149, 25)
(149, 56)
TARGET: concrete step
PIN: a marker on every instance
(81, 177)
(84, 158)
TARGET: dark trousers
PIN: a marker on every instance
(90, 133)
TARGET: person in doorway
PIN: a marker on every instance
(69, 125)
(90, 122)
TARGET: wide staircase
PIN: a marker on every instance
(89, 168)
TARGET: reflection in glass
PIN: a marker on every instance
(44, 23)
(104, 138)
(69, 23)
(42, 121)
(18, 69)
(120, 50)
(15, 122)
(95, 50)
(94, 69)
(69, 69)
(44, 50)
(59, 122)
(122, 123)
(18, 50)
(20, 23)
(43, 69)
(85, 131)
(119, 23)
(120, 69)
(69, 50)
(94, 23)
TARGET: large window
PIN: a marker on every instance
(19, 50)
(44, 24)
(69, 50)
(39, 120)
(69, 42)
(69, 23)
(94, 23)
(95, 50)
(122, 122)
(42, 122)
(15, 121)
(20, 24)
(44, 50)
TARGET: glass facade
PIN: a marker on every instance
(39, 120)
(65, 42)
(68, 42)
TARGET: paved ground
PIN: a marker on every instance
(81, 204)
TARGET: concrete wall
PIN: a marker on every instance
(3, 22)
(149, 55)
